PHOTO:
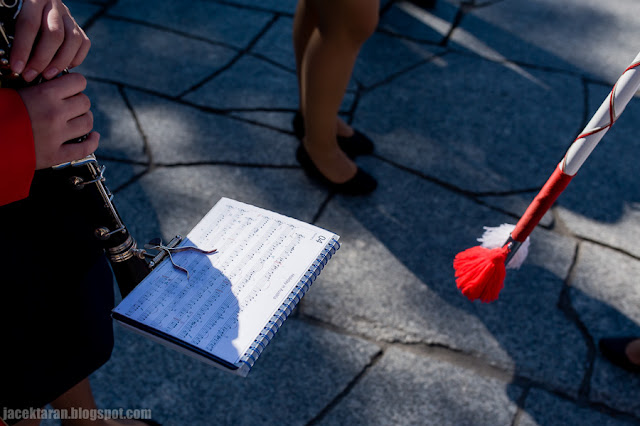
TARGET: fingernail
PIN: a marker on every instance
(18, 67)
(50, 73)
(30, 75)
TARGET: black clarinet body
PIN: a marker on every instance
(85, 177)
(128, 262)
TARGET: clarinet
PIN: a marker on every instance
(86, 176)
(129, 264)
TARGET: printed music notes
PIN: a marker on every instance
(237, 297)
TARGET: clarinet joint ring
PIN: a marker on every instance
(104, 233)
(79, 183)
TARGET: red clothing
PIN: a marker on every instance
(17, 150)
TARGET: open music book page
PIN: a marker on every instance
(234, 300)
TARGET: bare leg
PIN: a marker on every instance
(304, 23)
(325, 69)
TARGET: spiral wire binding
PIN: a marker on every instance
(269, 331)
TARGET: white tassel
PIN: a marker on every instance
(497, 237)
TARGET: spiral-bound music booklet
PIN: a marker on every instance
(233, 301)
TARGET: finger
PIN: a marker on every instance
(76, 105)
(76, 151)
(65, 86)
(51, 38)
(85, 43)
(73, 39)
(79, 126)
(27, 29)
(82, 52)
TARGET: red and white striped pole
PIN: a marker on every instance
(480, 270)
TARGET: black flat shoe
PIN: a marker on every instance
(361, 184)
(613, 348)
(354, 145)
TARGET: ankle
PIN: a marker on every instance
(343, 129)
(321, 150)
(331, 162)
(633, 351)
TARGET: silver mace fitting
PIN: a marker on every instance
(514, 246)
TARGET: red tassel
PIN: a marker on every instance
(480, 272)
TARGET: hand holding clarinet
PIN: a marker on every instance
(47, 41)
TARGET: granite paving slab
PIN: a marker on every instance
(385, 56)
(119, 174)
(298, 374)
(277, 120)
(203, 19)
(179, 134)
(282, 120)
(120, 137)
(445, 120)
(253, 84)
(249, 84)
(614, 387)
(607, 298)
(146, 57)
(82, 11)
(622, 233)
(498, 42)
(591, 36)
(96, 2)
(404, 289)
(407, 20)
(404, 388)
(280, 6)
(543, 408)
(276, 44)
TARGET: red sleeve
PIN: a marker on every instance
(17, 151)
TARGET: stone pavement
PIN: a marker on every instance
(471, 106)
